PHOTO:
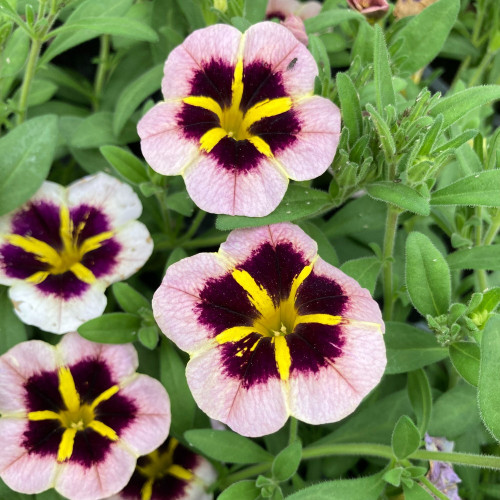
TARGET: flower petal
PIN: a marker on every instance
(151, 424)
(254, 411)
(121, 360)
(53, 313)
(336, 390)
(175, 301)
(99, 481)
(275, 45)
(21, 471)
(218, 42)
(104, 192)
(313, 151)
(253, 193)
(162, 141)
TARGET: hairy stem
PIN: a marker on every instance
(389, 238)
(102, 69)
(29, 73)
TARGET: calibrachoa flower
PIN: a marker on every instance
(284, 8)
(272, 330)
(441, 474)
(76, 416)
(172, 472)
(59, 251)
(239, 118)
(370, 8)
(405, 8)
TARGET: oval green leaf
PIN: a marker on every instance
(112, 328)
(287, 461)
(399, 195)
(465, 357)
(487, 257)
(405, 438)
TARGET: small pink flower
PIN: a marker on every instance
(272, 330)
(284, 8)
(171, 472)
(296, 26)
(239, 118)
(60, 251)
(76, 416)
(370, 8)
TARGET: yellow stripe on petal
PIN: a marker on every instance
(43, 251)
(66, 445)
(68, 390)
(103, 430)
(147, 489)
(43, 415)
(298, 280)
(237, 84)
(66, 228)
(38, 277)
(206, 103)
(211, 138)
(108, 393)
(261, 145)
(94, 242)
(322, 319)
(82, 273)
(265, 109)
(180, 472)
(282, 355)
(257, 294)
(234, 334)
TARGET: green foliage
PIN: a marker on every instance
(465, 357)
(419, 393)
(287, 461)
(405, 438)
(112, 328)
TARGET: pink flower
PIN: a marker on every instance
(171, 472)
(370, 8)
(272, 330)
(284, 8)
(76, 416)
(60, 251)
(296, 26)
(239, 118)
(405, 8)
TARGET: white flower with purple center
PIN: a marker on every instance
(272, 330)
(60, 251)
(76, 416)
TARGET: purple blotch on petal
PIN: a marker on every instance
(214, 80)
(92, 377)
(90, 448)
(252, 367)
(93, 221)
(17, 263)
(43, 437)
(278, 131)
(196, 121)
(103, 260)
(65, 285)
(42, 392)
(237, 156)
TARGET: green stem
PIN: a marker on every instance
(29, 73)
(389, 238)
(102, 69)
(373, 450)
(491, 234)
(192, 228)
(210, 241)
(480, 273)
(294, 426)
(251, 471)
(433, 489)
(480, 69)
(486, 461)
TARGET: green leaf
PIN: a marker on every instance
(112, 328)
(227, 446)
(364, 270)
(25, 160)
(173, 378)
(176, 255)
(125, 163)
(393, 476)
(427, 276)
(479, 189)
(410, 348)
(350, 106)
(192, 10)
(357, 216)
(382, 72)
(49, 495)
(180, 202)
(455, 106)
(130, 300)
(242, 490)
(487, 257)
(465, 357)
(135, 93)
(331, 18)
(94, 131)
(255, 10)
(12, 329)
(86, 9)
(299, 202)
(455, 412)
(419, 393)
(416, 492)
(383, 131)
(364, 488)
(287, 461)
(148, 336)
(399, 195)
(14, 55)
(488, 393)
(325, 249)
(95, 26)
(405, 438)
(424, 35)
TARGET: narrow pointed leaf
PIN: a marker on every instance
(487, 257)
(383, 78)
(419, 393)
(349, 106)
(401, 196)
